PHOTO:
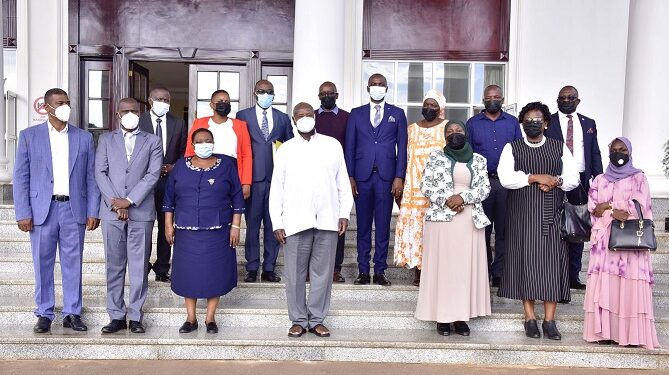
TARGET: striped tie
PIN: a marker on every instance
(377, 116)
(265, 125)
(570, 134)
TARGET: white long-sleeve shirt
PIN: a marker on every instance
(513, 179)
(310, 185)
(60, 154)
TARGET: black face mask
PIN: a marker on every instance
(430, 113)
(567, 107)
(223, 108)
(533, 129)
(456, 141)
(492, 106)
(619, 159)
(328, 102)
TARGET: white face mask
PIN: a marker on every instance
(160, 108)
(62, 112)
(203, 150)
(130, 121)
(377, 92)
(305, 124)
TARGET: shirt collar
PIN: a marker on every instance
(299, 137)
(259, 109)
(154, 116)
(334, 110)
(564, 115)
(481, 115)
(53, 128)
(134, 132)
(382, 104)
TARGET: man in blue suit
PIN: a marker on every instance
(579, 133)
(268, 128)
(56, 199)
(376, 159)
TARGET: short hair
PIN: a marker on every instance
(327, 83)
(198, 131)
(158, 88)
(301, 105)
(51, 92)
(219, 92)
(132, 101)
(533, 106)
(493, 87)
(377, 75)
(570, 87)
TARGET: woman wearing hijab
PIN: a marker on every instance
(454, 279)
(619, 297)
(424, 136)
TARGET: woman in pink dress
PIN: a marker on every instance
(619, 297)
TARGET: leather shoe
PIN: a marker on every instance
(337, 277)
(212, 327)
(114, 326)
(381, 280)
(296, 331)
(43, 325)
(416, 277)
(362, 279)
(444, 329)
(270, 276)
(188, 327)
(320, 330)
(136, 327)
(251, 277)
(163, 277)
(532, 329)
(74, 322)
(550, 330)
(461, 328)
(495, 282)
(576, 284)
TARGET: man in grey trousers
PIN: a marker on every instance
(310, 203)
(127, 167)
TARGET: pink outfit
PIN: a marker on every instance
(619, 297)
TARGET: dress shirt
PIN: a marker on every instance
(510, 178)
(334, 110)
(60, 155)
(270, 118)
(579, 151)
(163, 127)
(310, 185)
(372, 111)
(488, 137)
(225, 138)
(129, 139)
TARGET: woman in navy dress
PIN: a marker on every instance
(203, 206)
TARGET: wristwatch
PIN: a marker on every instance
(559, 181)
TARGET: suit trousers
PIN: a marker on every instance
(310, 251)
(59, 230)
(494, 208)
(257, 212)
(163, 249)
(374, 202)
(577, 196)
(127, 244)
(339, 258)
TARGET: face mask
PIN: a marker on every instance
(492, 106)
(62, 112)
(130, 121)
(377, 92)
(533, 129)
(567, 107)
(223, 108)
(160, 108)
(430, 113)
(456, 141)
(328, 102)
(619, 159)
(265, 100)
(305, 124)
(203, 150)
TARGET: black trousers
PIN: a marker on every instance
(339, 257)
(163, 248)
(577, 196)
(495, 209)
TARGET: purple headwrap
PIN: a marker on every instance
(614, 173)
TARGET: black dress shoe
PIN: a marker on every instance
(163, 277)
(251, 277)
(575, 284)
(461, 328)
(381, 280)
(114, 326)
(495, 282)
(550, 330)
(74, 322)
(188, 327)
(136, 327)
(212, 327)
(43, 325)
(362, 279)
(532, 329)
(270, 276)
(444, 329)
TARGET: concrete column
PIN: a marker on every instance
(647, 77)
(5, 176)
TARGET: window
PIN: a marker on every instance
(96, 97)
(461, 82)
(210, 81)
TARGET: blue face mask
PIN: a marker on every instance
(265, 100)
(204, 150)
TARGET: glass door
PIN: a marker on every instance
(282, 79)
(205, 79)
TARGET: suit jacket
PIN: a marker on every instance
(263, 154)
(592, 155)
(176, 135)
(384, 147)
(134, 179)
(33, 175)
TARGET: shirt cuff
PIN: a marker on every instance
(130, 200)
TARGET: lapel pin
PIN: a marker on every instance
(211, 181)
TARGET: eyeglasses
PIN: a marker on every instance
(324, 94)
(570, 98)
(537, 120)
(261, 92)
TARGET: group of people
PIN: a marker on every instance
(454, 184)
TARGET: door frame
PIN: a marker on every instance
(244, 85)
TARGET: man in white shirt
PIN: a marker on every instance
(310, 203)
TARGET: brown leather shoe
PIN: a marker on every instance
(296, 331)
(337, 277)
(320, 330)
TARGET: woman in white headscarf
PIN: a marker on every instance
(425, 136)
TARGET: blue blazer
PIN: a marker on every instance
(33, 175)
(384, 147)
(263, 156)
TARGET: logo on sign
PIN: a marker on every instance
(38, 106)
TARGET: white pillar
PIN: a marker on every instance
(646, 80)
(5, 176)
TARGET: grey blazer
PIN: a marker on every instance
(134, 179)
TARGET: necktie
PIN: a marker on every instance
(265, 125)
(570, 134)
(159, 129)
(128, 145)
(377, 116)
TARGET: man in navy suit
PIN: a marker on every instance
(376, 159)
(56, 199)
(579, 133)
(268, 127)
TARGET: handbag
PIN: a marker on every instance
(575, 222)
(637, 234)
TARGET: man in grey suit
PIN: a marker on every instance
(127, 167)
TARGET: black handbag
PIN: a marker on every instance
(637, 234)
(575, 222)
